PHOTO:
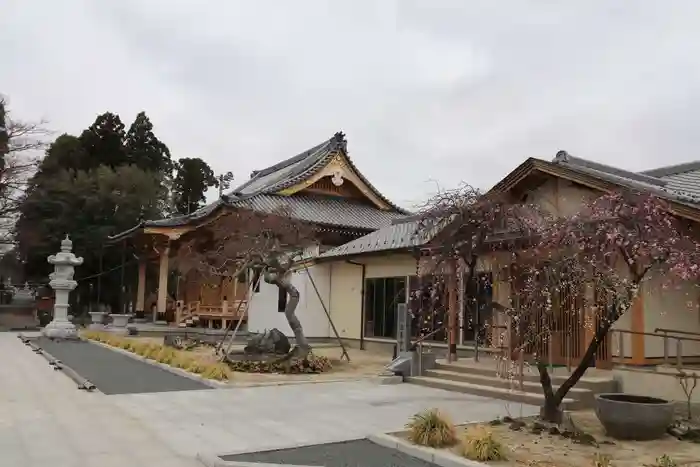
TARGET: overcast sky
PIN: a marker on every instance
(426, 91)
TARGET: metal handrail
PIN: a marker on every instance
(423, 338)
(664, 336)
(676, 331)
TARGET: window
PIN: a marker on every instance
(382, 297)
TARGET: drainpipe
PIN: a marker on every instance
(362, 303)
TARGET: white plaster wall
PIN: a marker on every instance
(674, 307)
(263, 312)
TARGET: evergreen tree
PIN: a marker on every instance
(192, 180)
(145, 150)
(104, 142)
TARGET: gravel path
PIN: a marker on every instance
(114, 373)
(358, 453)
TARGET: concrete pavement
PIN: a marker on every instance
(225, 421)
(45, 421)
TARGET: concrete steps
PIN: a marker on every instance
(481, 380)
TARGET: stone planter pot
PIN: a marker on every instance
(640, 418)
(119, 322)
(98, 319)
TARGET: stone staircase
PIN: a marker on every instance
(480, 379)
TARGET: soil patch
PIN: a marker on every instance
(546, 450)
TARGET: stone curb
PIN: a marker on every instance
(374, 379)
(434, 456)
(171, 369)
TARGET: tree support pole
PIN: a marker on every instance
(325, 309)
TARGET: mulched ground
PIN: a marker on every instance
(357, 453)
(114, 373)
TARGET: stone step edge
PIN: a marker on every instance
(473, 369)
(444, 374)
(489, 391)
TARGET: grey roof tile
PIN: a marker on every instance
(683, 188)
(399, 235)
(322, 210)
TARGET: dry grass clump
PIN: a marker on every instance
(217, 371)
(479, 444)
(162, 354)
(431, 428)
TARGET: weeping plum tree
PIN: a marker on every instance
(268, 244)
(609, 249)
(459, 226)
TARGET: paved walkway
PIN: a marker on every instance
(45, 421)
(113, 372)
(225, 421)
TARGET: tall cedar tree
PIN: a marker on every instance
(145, 150)
(192, 180)
(86, 188)
(104, 143)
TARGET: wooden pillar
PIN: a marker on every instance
(163, 280)
(452, 321)
(637, 325)
(141, 287)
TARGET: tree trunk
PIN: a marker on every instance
(303, 347)
(551, 411)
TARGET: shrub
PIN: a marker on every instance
(431, 428)
(165, 355)
(125, 344)
(217, 371)
(479, 444)
(313, 364)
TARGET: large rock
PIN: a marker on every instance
(269, 342)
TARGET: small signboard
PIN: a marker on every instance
(403, 328)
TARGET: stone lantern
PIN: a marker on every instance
(62, 282)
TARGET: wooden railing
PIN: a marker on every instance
(232, 310)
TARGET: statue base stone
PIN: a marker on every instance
(60, 330)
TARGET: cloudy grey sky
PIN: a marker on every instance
(426, 90)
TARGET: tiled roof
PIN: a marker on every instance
(682, 187)
(302, 166)
(324, 210)
(399, 235)
(259, 193)
(681, 178)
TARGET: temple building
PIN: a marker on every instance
(321, 187)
